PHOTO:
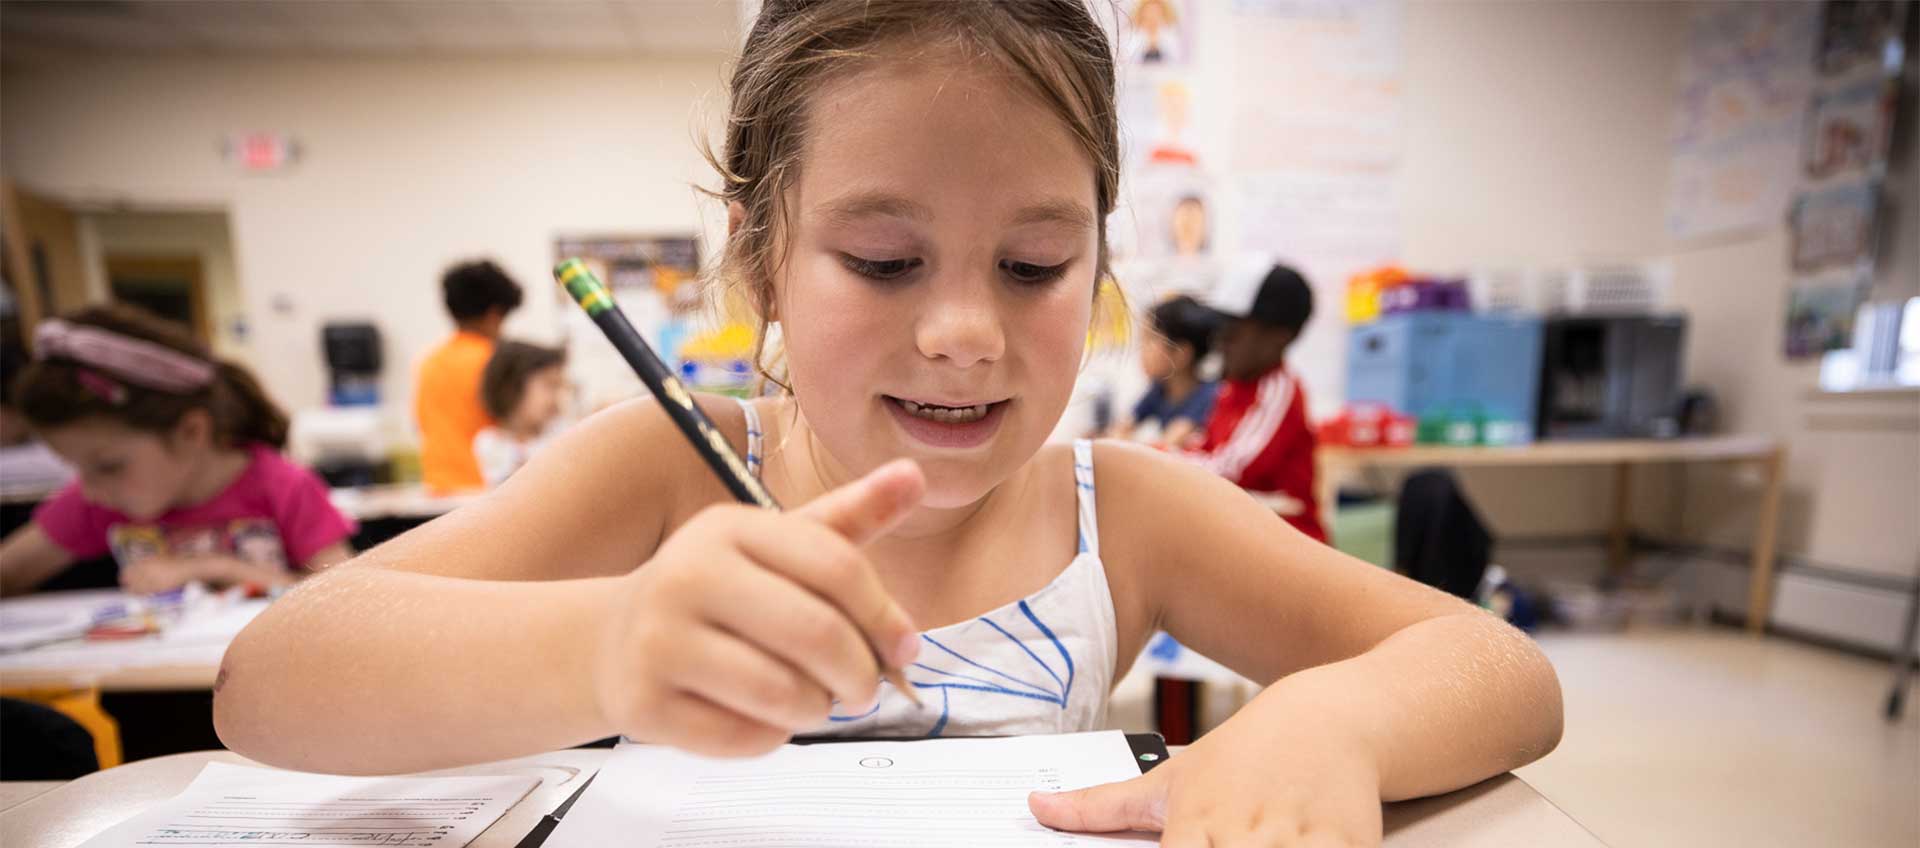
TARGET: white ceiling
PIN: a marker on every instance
(40, 31)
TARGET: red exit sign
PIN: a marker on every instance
(261, 152)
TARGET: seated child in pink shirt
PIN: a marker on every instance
(179, 470)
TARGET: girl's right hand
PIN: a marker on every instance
(747, 625)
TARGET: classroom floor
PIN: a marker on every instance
(1707, 737)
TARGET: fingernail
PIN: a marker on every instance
(908, 649)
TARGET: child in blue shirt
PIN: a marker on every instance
(1177, 405)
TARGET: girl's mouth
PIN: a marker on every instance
(944, 426)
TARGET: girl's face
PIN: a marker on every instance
(1156, 356)
(1189, 227)
(138, 473)
(939, 278)
(540, 402)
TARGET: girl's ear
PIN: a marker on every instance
(769, 308)
(194, 431)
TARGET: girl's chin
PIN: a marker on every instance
(954, 485)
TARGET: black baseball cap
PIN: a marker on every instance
(1274, 294)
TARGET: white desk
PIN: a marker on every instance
(185, 657)
(398, 500)
(1503, 811)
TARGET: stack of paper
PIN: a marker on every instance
(235, 805)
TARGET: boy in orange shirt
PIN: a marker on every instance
(447, 403)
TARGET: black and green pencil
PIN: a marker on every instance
(592, 295)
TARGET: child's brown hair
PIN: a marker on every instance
(57, 390)
(1055, 47)
(504, 381)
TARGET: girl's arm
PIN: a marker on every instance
(520, 624)
(160, 574)
(1387, 688)
(461, 640)
(155, 574)
(1177, 432)
(29, 558)
(331, 555)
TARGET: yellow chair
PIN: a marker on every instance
(83, 706)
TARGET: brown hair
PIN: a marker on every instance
(1055, 47)
(52, 393)
(504, 381)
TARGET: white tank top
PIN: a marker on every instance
(1042, 664)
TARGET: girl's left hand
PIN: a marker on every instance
(1300, 788)
(155, 574)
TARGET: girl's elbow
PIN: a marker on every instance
(1548, 707)
(242, 718)
(236, 711)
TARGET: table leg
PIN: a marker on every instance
(1766, 527)
(1326, 490)
(1620, 535)
(1903, 655)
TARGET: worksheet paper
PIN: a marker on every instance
(934, 793)
(236, 805)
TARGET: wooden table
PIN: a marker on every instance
(1622, 455)
(1497, 812)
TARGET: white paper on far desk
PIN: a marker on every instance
(236, 805)
(938, 793)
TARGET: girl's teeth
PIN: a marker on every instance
(945, 414)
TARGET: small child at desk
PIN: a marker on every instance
(178, 454)
(522, 388)
(917, 192)
(1259, 437)
(1179, 402)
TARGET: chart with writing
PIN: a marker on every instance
(939, 793)
(234, 805)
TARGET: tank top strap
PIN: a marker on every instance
(753, 436)
(1083, 494)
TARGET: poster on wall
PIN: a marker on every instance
(1835, 226)
(1334, 104)
(1313, 155)
(1160, 113)
(1860, 34)
(1160, 33)
(1820, 312)
(1167, 235)
(655, 280)
(1744, 88)
(1850, 129)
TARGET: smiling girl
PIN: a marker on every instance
(917, 193)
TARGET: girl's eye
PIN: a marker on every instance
(878, 269)
(1031, 274)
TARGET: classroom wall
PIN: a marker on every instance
(405, 167)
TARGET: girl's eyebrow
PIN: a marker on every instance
(868, 204)
(1064, 212)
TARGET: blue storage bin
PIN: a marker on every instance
(1425, 362)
